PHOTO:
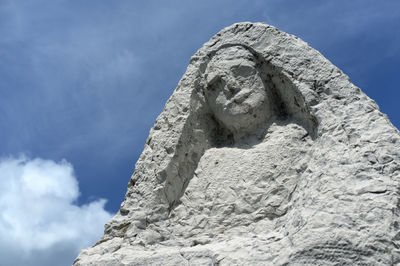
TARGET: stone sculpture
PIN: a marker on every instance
(235, 91)
(265, 154)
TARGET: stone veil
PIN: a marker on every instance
(265, 154)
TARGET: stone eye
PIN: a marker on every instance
(243, 70)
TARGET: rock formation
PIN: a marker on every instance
(265, 154)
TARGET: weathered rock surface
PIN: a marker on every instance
(265, 154)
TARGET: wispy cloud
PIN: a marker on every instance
(40, 223)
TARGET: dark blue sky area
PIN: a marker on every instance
(85, 80)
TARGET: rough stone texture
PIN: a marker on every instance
(265, 154)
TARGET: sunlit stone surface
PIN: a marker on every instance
(265, 154)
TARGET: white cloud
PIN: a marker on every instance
(40, 223)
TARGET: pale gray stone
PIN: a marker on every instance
(265, 154)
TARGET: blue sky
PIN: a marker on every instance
(83, 82)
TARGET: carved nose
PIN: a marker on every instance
(232, 87)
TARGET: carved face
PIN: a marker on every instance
(235, 91)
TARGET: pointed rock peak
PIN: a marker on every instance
(265, 154)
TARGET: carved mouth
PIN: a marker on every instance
(240, 98)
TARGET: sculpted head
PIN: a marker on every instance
(235, 90)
